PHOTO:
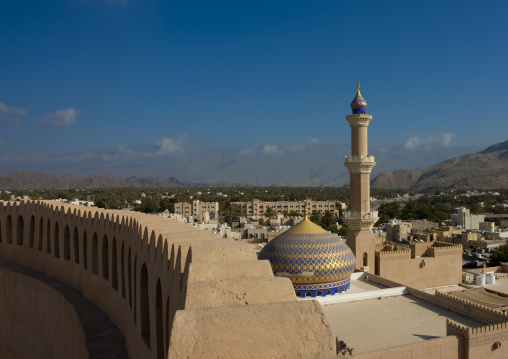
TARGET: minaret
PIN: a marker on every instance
(360, 218)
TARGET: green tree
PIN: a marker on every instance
(388, 211)
(343, 230)
(327, 219)
(500, 255)
(315, 217)
(409, 211)
(269, 212)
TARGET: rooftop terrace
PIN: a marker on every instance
(374, 324)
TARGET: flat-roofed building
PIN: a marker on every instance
(257, 208)
(202, 211)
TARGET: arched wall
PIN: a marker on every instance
(160, 267)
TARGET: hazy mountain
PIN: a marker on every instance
(269, 165)
(35, 180)
(485, 170)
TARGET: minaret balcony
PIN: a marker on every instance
(360, 220)
(359, 120)
(359, 164)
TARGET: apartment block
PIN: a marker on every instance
(202, 211)
(257, 208)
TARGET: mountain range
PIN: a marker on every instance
(487, 169)
(168, 164)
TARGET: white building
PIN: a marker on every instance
(466, 220)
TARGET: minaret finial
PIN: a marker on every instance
(305, 211)
(358, 105)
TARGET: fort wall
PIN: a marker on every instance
(447, 347)
(147, 272)
(44, 334)
(470, 309)
(421, 266)
(488, 340)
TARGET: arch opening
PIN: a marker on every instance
(95, 254)
(365, 259)
(56, 241)
(122, 269)
(8, 229)
(75, 240)
(114, 268)
(67, 243)
(48, 237)
(144, 305)
(129, 278)
(41, 234)
(31, 235)
(158, 321)
(20, 226)
(85, 251)
(135, 288)
(105, 258)
(166, 346)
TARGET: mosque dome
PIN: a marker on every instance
(316, 261)
(358, 105)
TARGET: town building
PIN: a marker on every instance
(201, 211)
(257, 208)
(465, 219)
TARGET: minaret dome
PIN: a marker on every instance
(358, 105)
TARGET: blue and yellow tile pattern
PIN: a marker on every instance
(314, 260)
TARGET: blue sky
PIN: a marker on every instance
(83, 75)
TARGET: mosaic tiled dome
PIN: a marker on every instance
(316, 261)
(358, 105)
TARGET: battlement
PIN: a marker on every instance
(452, 249)
(456, 328)
(472, 304)
(400, 252)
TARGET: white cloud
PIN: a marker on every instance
(10, 115)
(170, 145)
(314, 140)
(247, 152)
(60, 118)
(416, 142)
(270, 149)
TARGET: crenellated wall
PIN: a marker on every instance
(150, 275)
(422, 266)
(489, 341)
